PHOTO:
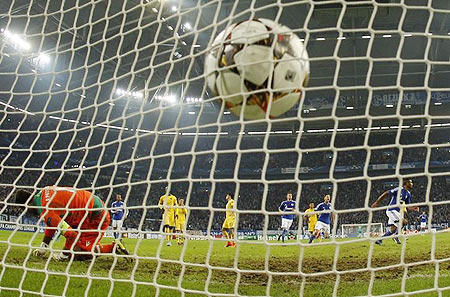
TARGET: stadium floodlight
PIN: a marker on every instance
(174, 8)
(16, 41)
(171, 99)
(187, 26)
(43, 59)
(134, 94)
(194, 99)
(166, 98)
(139, 95)
(349, 107)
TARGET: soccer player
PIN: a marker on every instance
(166, 204)
(287, 207)
(360, 232)
(119, 214)
(311, 218)
(80, 216)
(326, 217)
(180, 218)
(230, 221)
(393, 213)
(423, 218)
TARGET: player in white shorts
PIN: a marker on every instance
(393, 213)
(287, 207)
(118, 216)
(325, 219)
(423, 218)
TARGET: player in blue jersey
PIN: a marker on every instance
(287, 207)
(118, 215)
(423, 218)
(395, 213)
(326, 217)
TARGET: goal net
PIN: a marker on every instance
(111, 97)
(361, 230)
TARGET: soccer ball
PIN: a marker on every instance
(254, 63)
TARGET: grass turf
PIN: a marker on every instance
(251, 269)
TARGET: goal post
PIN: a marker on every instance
(113, 97)
(361, 230)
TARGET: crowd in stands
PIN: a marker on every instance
(257, 204)
(200, 168)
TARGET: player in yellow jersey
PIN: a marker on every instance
(180, 221)
(166, 204)
(229, 223)
(311, 218)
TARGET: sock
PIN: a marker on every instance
(396, 237)
(312, 238)
(388, 232)
(116, 235)
(283, 234)
(167, 230)
(105, 248)
(225, 234)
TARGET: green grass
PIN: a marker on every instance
(251, 269)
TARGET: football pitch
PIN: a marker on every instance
(250, 269)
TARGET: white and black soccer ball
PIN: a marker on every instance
(255, 62)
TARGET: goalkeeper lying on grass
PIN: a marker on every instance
(79, 215)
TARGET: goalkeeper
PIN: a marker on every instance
(80, 216)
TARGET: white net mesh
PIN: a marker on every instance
(110, 97)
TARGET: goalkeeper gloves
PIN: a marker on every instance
(59, 256)
(41, 250)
